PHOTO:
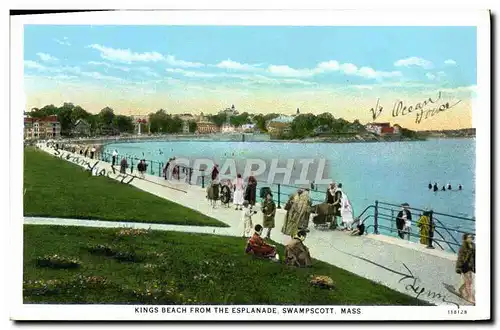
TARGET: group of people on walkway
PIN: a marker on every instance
(435, 187)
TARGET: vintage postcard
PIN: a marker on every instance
(251, 165)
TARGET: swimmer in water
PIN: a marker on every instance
(459, 187)
(430, 186)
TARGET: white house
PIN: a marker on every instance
(228, 128)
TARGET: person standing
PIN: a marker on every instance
(141, 167)
(424, 225)
(337, 202)
(123, 165)
(306, 213)
(268, 214)
(165, 169)
(115, 154)
(238, 197)
(466, 267)
(330, 193)
(251, 190)
(247, 214)
(403, 219)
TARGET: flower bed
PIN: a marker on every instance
(57, 262)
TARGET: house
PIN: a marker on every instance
(186, 119)
(42, 128)
(229, 112)
(383, 128)
(205, 127)
(228, 128)
(278, 128)
(81, 128)
(247, 127)
(279, 125)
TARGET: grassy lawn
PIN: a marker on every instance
(57, 188)
(156, 267)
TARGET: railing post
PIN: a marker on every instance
(392, 220)
(131, 165)
(203, 180)
(279, 195)
(159, 169)
(375, 216)
(151, 167)
(190, 174)
(431, 230)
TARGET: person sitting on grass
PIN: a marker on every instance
(296, 253)
(259, 248)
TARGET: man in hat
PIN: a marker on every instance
(296, 253)
(259, 248)
(403, 220)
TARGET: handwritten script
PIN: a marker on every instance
(418, 290)
(83, 162)
(422, 110)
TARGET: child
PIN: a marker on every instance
(247, 219)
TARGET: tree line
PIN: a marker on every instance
(106, 122)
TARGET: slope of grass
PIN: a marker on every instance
(57, 188)
(178, 268)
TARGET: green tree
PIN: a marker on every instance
(124, 124)
(65, 118)
(79, 113)
(218, 119)
(303, 125)
(192, 126)
(106, 117)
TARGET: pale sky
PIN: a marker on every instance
(341, 70)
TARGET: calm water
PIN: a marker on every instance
(393, 172)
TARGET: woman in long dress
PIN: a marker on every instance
(238, 192)
(466, 266)
(346, 212)
(299, 209)
(424, 225)
(251, 190)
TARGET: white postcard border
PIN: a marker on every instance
(481, 120)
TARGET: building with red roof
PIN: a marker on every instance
(42, 128)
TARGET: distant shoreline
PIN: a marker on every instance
(102, 142)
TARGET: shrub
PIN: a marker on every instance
(108, 251)
(57, 262)
(160, 293)
(42, 287)
(101, 249)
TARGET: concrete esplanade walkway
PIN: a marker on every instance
(404, 266)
